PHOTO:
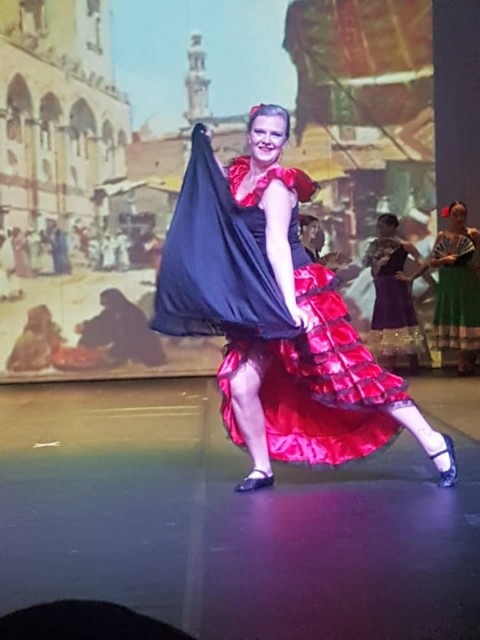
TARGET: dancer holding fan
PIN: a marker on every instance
(394, 330)
(457, 312)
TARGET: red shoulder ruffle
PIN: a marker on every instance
(294, 179)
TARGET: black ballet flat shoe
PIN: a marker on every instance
(253, 484)
(448, 478)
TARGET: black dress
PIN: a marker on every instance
(213, 278)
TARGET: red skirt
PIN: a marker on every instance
(323, 394)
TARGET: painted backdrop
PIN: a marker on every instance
(97, 100)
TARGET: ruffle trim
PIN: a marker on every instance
(332, 384)
(360, 385)
(390, 342)
(331, 286)
(350, 464)
(294, 179)
(320, 465)
(453, 337)
(302, 444)
(333, 399)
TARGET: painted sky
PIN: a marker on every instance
(245, 58)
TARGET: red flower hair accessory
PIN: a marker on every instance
(254, 109)
(445, 212)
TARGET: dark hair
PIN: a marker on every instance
(304, 220)
(454, 204)
(270, 110)
(88, 618)
(389, 219)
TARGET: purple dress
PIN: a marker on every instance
(394, 323)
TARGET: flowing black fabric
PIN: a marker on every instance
(213, 277)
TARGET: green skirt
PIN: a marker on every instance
(456, 322)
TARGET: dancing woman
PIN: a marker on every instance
(394, 328)
(297, 384)
(456, 321)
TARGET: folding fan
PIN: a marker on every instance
(453, 246)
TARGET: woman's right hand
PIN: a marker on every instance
(301, 319)
(80, 328)
(449, 260)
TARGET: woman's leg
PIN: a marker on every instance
(466, 362)
(473, 359)
(390, 362)
(431, 441)
(413, 364)
(245, 386)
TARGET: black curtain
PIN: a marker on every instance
(456, 56)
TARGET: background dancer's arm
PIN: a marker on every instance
(423, 266)
(440, 262)
(378, 263)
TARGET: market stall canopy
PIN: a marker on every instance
(322, 170)
(118, 188)
(360, 63)
(170, 184)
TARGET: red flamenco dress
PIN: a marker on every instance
(323, 395)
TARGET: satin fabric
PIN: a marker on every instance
(292, 178)
(323, 394)
(213, 277)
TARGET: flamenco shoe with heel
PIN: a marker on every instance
(448, 478)
(253, 484)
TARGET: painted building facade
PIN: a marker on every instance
(64, 125)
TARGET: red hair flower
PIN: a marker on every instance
(254, 109)
(445, 212)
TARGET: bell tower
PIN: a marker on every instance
(197, 82)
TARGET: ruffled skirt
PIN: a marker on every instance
(456, 324)
(395, 327)
(325, 398)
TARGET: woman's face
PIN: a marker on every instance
(458, 215)
(385, 230)
(267, 139)
(39, 317)
(310, 231)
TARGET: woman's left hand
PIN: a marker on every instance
(381, 262)
(400, 275)
(302, 319)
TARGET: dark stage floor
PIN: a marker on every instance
(134, 505)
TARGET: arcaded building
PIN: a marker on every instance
(64, 124)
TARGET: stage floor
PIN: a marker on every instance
(122, 492)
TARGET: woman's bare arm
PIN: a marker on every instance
(440, 262)
(423, 266)
(277, 204)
